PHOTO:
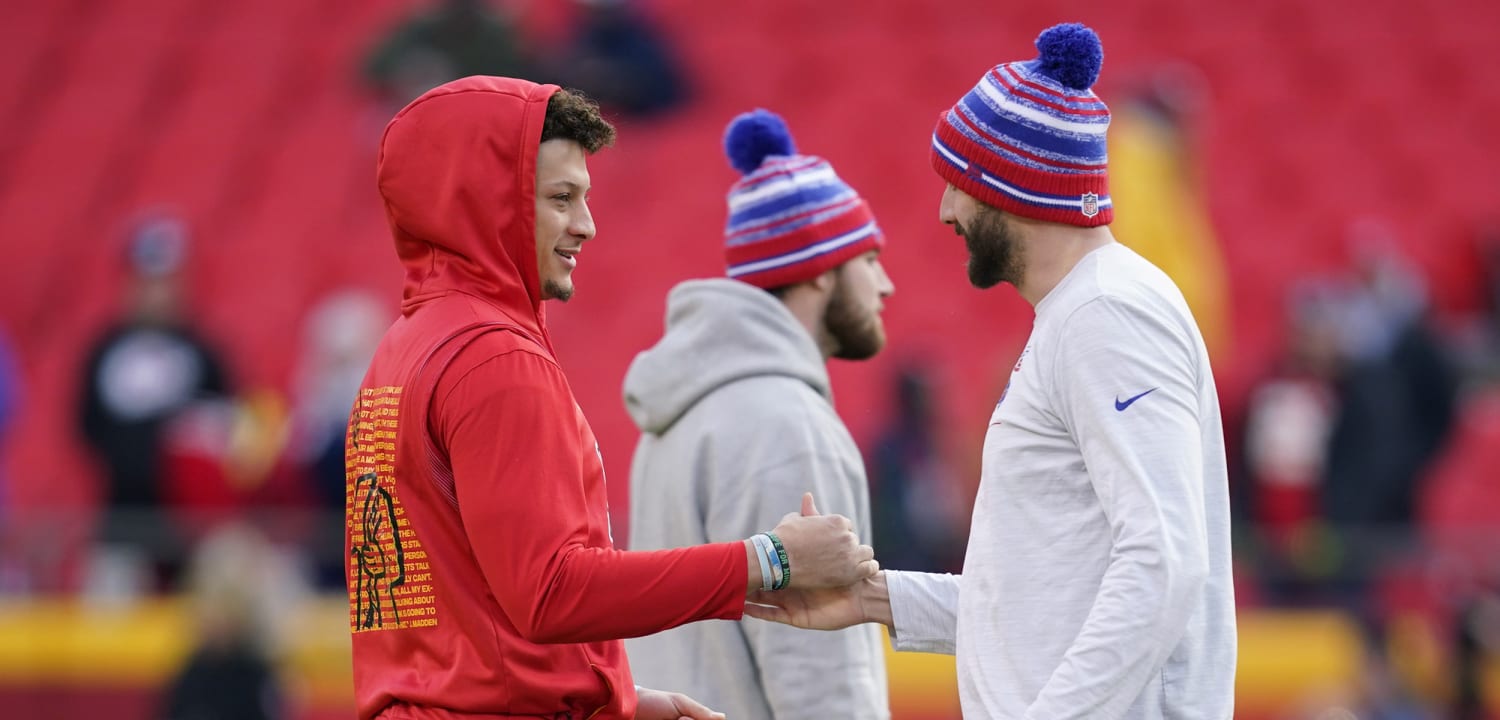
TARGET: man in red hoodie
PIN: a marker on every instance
(483, 582)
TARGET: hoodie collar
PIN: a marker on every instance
(719, 331)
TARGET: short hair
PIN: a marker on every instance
(571, 115)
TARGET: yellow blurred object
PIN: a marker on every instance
(1286, 657)
(1418, 657)
(921, 684)
(258, 436)
(69, 643)
(1160, 214)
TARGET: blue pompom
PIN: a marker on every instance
(1070, 54)
(754, 136)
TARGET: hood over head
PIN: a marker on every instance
(457, 174)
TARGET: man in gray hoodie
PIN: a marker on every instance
(737, 422)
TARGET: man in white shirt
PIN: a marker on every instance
(1097, 581)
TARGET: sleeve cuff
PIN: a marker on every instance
(922, 612)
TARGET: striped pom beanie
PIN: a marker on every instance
(1029, 138)
(790, 217)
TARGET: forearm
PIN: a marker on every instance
(605, 594)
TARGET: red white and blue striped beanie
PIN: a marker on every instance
(1029, 138)
(791, 218)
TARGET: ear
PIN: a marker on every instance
(826, 281)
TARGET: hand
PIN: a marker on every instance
(658, 705)
(823, 550)
(829, 609)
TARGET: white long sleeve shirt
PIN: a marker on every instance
(1097, 579)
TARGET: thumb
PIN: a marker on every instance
(690, 708)
(808, 508)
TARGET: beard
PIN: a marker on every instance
(994, 250)
(554, 290)
(858, 333)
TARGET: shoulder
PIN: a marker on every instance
(765, 399)
(1117, 295)
(500, 362)
(1110, 328)
(771, 420)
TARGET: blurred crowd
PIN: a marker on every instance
(209, 486)
(1343, 439)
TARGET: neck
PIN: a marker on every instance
(808, 305)
(1051, 251)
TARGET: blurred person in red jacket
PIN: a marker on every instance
(483, 579)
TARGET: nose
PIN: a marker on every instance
(582, 226)
(946, 213)
(883, 283)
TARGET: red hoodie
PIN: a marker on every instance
(483, 581)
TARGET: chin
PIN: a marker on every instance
(862, 347)
(557, 290)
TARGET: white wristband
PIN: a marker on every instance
(762, 544)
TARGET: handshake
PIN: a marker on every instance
(811, 571)
(824, 550)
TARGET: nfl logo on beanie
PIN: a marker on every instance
(791, 218)
(1029, 138)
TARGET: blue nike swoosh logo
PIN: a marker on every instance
(1120, 406)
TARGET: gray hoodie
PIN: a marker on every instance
(737, 422)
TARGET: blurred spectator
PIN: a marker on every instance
(1383, 692)
(1397, 392)
(455, 39)
(12, 577)
(1477, 639)
(10, 401)
(139, 375)
(618, 57)
(233, 584)
(339, 338)
(1339, 439)
(1155, 179)
(1289, 421)
(1489, 244)
(920, 518)
(1480, 344)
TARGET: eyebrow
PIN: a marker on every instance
(567, 185)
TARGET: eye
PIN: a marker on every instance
(563, 197)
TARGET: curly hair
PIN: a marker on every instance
(572, 116)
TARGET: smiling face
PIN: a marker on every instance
(563, 220)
